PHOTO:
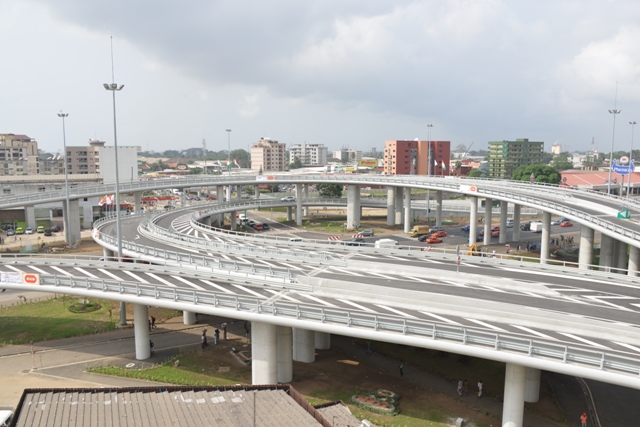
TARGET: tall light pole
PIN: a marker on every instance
(229, 151)
(429, 126)
(113, 87)
(66, 178)
(615, 112)
(633, 124)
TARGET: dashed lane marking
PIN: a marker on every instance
(318, 300)
(93, 276)
(249, 291)
(358, 306)
(222, 288)
(393, 310)
(161, 280)
(30, 266)
(629, 346)
(340, 270)
(193, 285)
(58, 269)
(486, 325)
(384, 276)
(110, 274)
(531, 331)
(584, 340)
(441, 318)
(418, 279)
(135, 276)
(283, 296)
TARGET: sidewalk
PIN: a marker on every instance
(430, 382)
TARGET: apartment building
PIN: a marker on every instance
(410, 157)
(507, 156)
(309, 154)
(348, 155)
(18, 155)
(268, 155)
(98, 158)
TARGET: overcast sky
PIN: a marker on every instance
(344, 73)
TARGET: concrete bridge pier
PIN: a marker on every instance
(514, 391)
(634, 261)
(289, 213)
(299, 204)
(473, 220)
(285, 353)
(353, 206)
(438, 208)
(532, 385)
(488, 212)
(304, 345)
(228, 190)
(516, 223)
(585, 253)
(219, 199)
(72, 221)
(207, 220)
(399, 196)
(141, 330)
(188, 317)
(322, 340)
(108, 254)
(30, 216)
(391, 206)
(407, 209)
(256, 192)
(305, 192)
(504, 207)
(607, 244)
(183, 198)
(620, 256)
(233, 220)
(546, 237)
(137, 204)
(264, 353)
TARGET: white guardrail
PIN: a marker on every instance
(598, 360)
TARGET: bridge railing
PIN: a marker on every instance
(469, 337)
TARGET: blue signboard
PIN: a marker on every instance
(622, 170)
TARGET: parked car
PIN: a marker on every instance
(357, 241)
(440, 233)
(19, 230)
(367, 233)
(11, 232)
(211, 197)
(566, 224)
(40, 229)
(258, 227)
(197, 199)
(288, 199)
(47, 232)
(555, 222)
(56, 229)
(432, 239)
(466, 228)
(28, 230)
(251, 223)
(265, 226)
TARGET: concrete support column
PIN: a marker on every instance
(514, 386)
(504, 206)
(228, 190)
(353, 206)
(546, 237)
(516, 223)
(305, 192)
(123, 313)
(264, 353)
(606, 252)
(141, 330)
(183, 199)
(399, 204)
(585, 254)
(438, 208)
(284, 354)
(206, 221)
(108, 254)
(298, 204)
(407, 209)
(634, 261)
(220, 199)
(620, 256)
(188, 317)
(304, 345)
(488, 212)
(256, 192)
(233, 220)
(473, 219)
(72, 220)
(532, 385)
(30, 216)
(289, 213)
(137, 204)
(323, 340)
(391, 205)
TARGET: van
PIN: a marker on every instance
(435, 229)
(40, 229)
(419, 230)
(385, 243)
(19, 230)
(5, 418)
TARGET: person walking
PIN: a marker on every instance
(224, 331)
(460, 385)
(153, 322)
(480, 385)
(401, 368)
(583, 419)
(203, 339)
(151, 345)
(216, 336)
(149, 324)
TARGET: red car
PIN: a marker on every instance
(566, 224)
(434, 240)
(495, 228)
(494, 233)
(440, 233)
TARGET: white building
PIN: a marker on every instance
(309, 154)
(268, 155)
(127, 163)
(348, 155)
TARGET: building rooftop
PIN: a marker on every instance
(273, 405)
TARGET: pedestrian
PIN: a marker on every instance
(519, 248)
(465, 387)
(369, 347)
(216, 336)
(224, 331)
(480, 384)
(460, 385)
(149, 324)
(401, 368)
(151, 346)
(153, 322)
(583, 419)
(246, 329)
(203, 339)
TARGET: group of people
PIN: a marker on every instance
(216, 336)
(152, 323)
(463, 387)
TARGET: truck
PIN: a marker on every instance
(419, 230)
(385, 243)
(536, 227)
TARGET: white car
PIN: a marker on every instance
(288, 199)
(29, 230)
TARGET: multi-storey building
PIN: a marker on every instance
(100, 159)
(507, 156)
(348, 155)
(405, 157)
(309, 154)
(52, 166)
(268, 155)
(18, 155)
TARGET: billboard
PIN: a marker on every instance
(368, 163)
(19, 278)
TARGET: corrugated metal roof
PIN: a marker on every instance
(338, 414)
(173, 406)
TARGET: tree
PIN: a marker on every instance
(242, 156)
(477, 173)
(158, 166)
(542, 173)
(195, 171)
(561, 162)
(330, 190)
(296, 164)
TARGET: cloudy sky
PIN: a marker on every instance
(344, 73)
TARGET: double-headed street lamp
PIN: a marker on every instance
(113, 87)
(633, 123)
(66, 179)
(613, 138)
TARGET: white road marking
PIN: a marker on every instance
(183, 280)
(86, 272)
(66, 273)
(195, 233)
(600, 299)
(629, 346)
(418, 280)
(293, 267)
(491, 288)
(432, 261)
(39, 270)
(382, 275)
(345, 271)
(225, 257)
(265, 262)
(110, 274)
(318, 300)
(486, 325)
(135, 276)
(161, 280)
(249, 291)
(395, 257)
(283, 296)
(20, 271)
(206, 236)
(393, 310)
(443, 319)
(243, 260)
(531, 331)
(459, 285)
(366, 256)
(222, 288)
(358, 306)
(584, 340)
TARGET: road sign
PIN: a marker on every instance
(624, 214)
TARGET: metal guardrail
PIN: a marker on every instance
(350, 319)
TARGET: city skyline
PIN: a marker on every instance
(343, 75)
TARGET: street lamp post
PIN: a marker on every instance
(429, 126)
(66, 178)
(633, 123)
(113, 87)
(613, 138)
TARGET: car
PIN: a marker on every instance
(367, 233)
(466, 228)
(440, 233)
(19, 230)
(566, 224)
(56, 229)
(47, 232)
(495, 228)
(197, 199)
(495, 233)
(509, 223)
(168, 207)
(434, 240)
(40, 229)
(11, 232)
(423, 238)
(288, 199)
(265, 226)
(555, 222)
(257, 226)
(356, 241)
(28, 230)
(211, 197)
(251, 223)
(525, 227)
(563, 219)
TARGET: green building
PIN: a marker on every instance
(506, 156)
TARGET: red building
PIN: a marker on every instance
(403, 157)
